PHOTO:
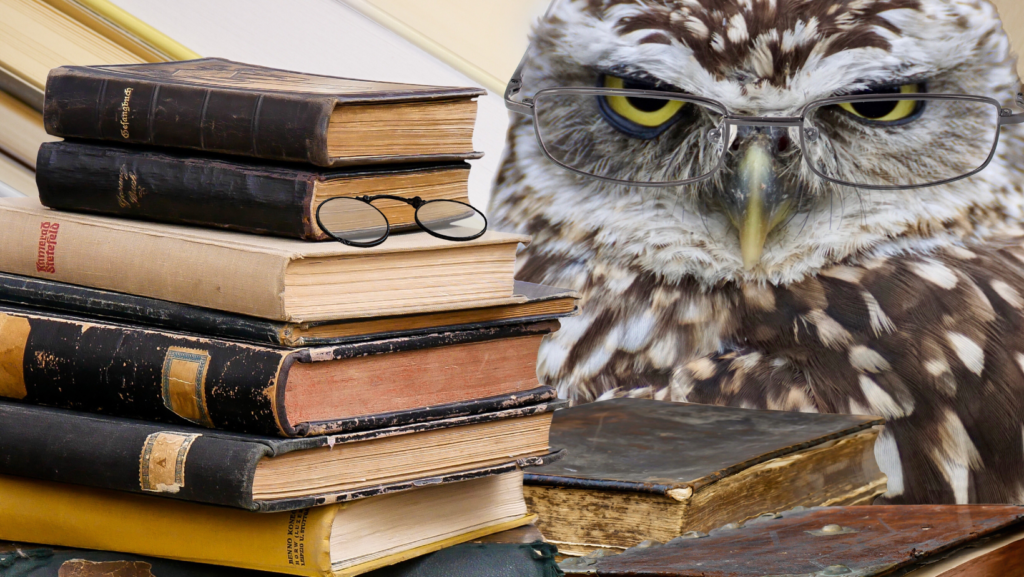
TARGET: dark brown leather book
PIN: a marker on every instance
(179, 187)
(638, 469)
(223, 106)
(172, 377)
(263, 473)
(906, 541)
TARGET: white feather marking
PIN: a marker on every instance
(956, 454)
(971, 355)
(1020, 361)
(935, 273)
(867, 360)
(858, 409)
(701, 369)
(936, 367)
(887, 455)
(1008, 294)
(737, 29)
(845, 273)
(880, 401)
(880, 322)
(961, 253)
(830, 332)
(638, 332)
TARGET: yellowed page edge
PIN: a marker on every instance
(140, 29)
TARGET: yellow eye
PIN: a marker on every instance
(648, 112)
(886, 110)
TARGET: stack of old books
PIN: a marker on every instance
(248, 396)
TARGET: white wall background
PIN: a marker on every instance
(321, 37)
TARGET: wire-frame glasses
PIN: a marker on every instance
(654, 138)
(355, 221)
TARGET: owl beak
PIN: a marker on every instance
(753, 198)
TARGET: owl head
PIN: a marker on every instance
(766, 212)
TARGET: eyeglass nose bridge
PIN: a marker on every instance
(762, 121)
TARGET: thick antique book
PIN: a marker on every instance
(231, 193)
(869, 541)
(335, 540)
(272, 278)
(129, 371)
(528, 303)
(228, 107)
(262, 473)
(639, 469)
(490, 556)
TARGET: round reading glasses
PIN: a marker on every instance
(638, 137)
(355, 221)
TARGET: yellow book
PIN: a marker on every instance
(335, 540)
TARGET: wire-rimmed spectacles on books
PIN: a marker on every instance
(355, 221)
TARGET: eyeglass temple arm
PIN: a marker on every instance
(515, 85)
(1007, 117)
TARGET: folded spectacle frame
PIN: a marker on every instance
(355, 221)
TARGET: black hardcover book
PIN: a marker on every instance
(229, 107)
(529, 303)
(130, 371)
(223, 192)
(261, 473)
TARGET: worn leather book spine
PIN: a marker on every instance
(294, 542)
(124, 455)
(99, 104)
(182, 189)
(140, 373)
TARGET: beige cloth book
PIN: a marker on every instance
(272, 278)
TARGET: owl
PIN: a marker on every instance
(767, 285)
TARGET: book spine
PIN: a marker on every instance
(118, 256)
(185, 463)
(143, 184)
(120, 307)
(294, 542)
(141, 374)
(103, 105)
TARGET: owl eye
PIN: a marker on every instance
(637, 116)
(888, 111)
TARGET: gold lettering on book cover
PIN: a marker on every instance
(125, 112)
(296, 542)
(162, 464)
(129, 193)
(183, 382)
(46, 258)
(14, 333)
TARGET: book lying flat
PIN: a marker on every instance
(528, 303)
(261, 473)
(639, 469)
(21, 130)
(222, 106)
(907, 540)
(336, 540)
(272, 278)
(16, 179)
(135, 372)
(231, 193)
(497, 558)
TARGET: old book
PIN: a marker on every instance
(16, 179)
(490, 556)
(639, 469)
(127, 371)
(529, 303)
(271, 278)
(908, 540)
(335, 540)
(262, 473)
(21, 130)
(223, 106)
(222, 192)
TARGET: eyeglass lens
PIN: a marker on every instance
(353, 221)
(451, 220)
(894, 142)
(640, 139)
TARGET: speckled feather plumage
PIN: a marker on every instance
(907, 304)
